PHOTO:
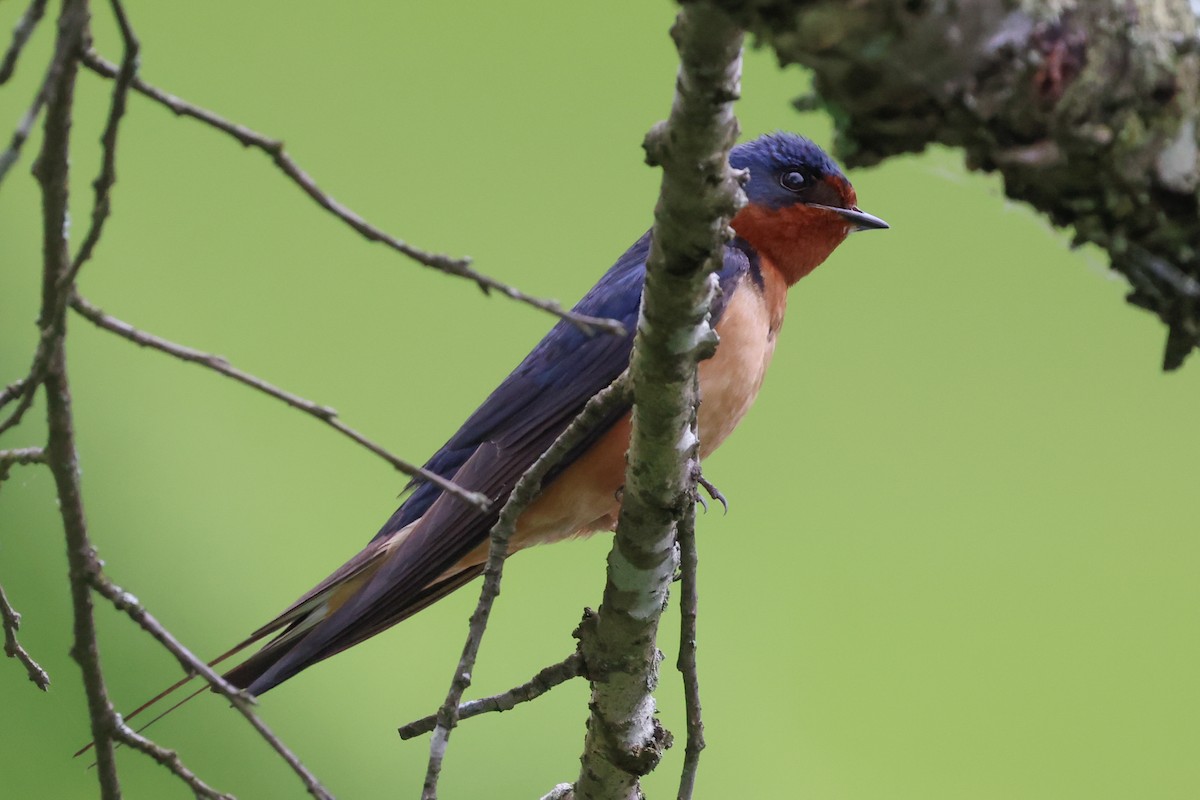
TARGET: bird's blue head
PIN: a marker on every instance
(800, 205)
(785, 167)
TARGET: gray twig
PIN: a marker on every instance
(169, 759)
(24, 389)
(275, 149)
(108, 169)
(686, 663)
(20, 456)
(11, 619)
(52, 171)
(64, 290)
(51, 320)
(527, 488)
(11, 392)
(21, 34)
(63, 48)
(49, 369)
(25, 126)
(216, 363)
(539, 684)
(13, 648)
(244, 703)
(62, 69)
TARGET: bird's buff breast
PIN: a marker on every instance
(584, 498)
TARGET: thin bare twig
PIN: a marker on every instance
(53, 175)
(62, 51)
(169, 759)
(13, 648)
(20, 456)
(545, 680)
(686, 663)
(52, 171)
(25, 126)
(275, 149)
(616, 394)
(108, 140)
(99, 582)
(11, 619)
(216, 363)
(23, 390)
(12, 391)
(244, 703)
(21, 34)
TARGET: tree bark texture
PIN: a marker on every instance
(699, 194)
(1087, 109)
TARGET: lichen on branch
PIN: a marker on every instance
(1088, 109)
(699, 194)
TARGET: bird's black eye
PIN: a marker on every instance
(792, 181)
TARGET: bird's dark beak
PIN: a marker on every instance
(858, 219)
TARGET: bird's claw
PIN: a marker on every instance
(713, 492)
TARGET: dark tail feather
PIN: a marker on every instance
(292, 618)
(162, 714)
(188, 678)
(196, 693)
(245, 673)
(365, 629)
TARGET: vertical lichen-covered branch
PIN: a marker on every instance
(699, 194)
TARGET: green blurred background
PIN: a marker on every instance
(960, 560)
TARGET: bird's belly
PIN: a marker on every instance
(730, 380)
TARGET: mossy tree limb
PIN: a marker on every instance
(1087, 108)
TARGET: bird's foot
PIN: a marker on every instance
(713, 492)
(701, 481)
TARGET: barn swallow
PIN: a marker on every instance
(800, 207)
